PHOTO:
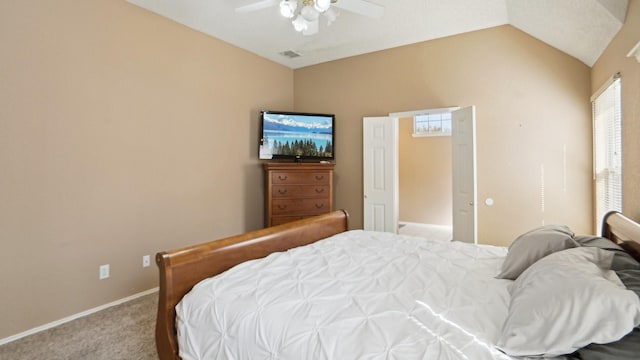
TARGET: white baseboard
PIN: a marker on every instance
(75, 316)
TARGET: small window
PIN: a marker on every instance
(432, 124)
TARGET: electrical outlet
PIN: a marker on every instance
(104, 271)
(146, 261)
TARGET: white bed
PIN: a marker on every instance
(356, 295)
(369, 295)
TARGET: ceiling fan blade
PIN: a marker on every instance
(361, 7)
(262, 4)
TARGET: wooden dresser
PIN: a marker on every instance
(296, 191)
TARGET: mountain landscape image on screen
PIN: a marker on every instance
(298, 135)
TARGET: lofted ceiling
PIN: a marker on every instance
(580, 28)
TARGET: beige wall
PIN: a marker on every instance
(115, 128)
(533, 120)
(614, 59)
(424, 176)
(121, 134)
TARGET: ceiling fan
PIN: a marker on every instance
(306, 13)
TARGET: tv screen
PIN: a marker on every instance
(298, 136)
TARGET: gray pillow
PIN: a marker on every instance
(622, 260)
(533, 245)
(627, 348)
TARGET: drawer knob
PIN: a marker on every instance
(282, 207)
(282, 191)
(282, 178)
(319, 190)
(319, 206)
(319, 177)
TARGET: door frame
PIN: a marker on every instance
(395, 118)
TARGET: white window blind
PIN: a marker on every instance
(607, 149)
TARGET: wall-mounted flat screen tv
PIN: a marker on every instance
(297, 136)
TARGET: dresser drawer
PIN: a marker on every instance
(300, 191)
(300, 206)
(320, 177)
(296, 191)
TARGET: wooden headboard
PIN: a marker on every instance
(623, 231)
(181, 269)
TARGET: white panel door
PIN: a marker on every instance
(464, 175)
(380, 161)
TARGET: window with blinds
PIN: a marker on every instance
(607, 149)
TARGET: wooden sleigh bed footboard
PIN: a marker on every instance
(181, 269)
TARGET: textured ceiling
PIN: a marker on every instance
(580, 28)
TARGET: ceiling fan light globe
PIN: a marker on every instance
(322, 5)
(288, 8)
(299, 23)
(312, 28)
(330, 15)
(309, 13)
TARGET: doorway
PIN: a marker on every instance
(424, 182)
(381, 173)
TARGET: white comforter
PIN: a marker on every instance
(356, 295)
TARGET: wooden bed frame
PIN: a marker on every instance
(622, 231)
(181, 269)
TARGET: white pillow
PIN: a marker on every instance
(566, 301)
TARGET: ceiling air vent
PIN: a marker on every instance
(290, 54)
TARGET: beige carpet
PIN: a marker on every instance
(125, 331)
